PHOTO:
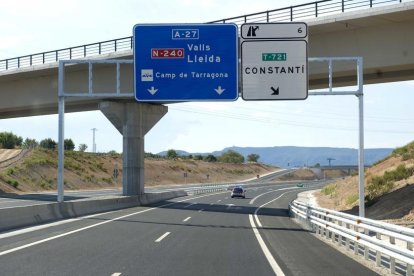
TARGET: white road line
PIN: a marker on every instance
(162, 237)
(257, 220)
(187, 219)
(254, 199)
(201, 210)
(43, 226)
(261, 206)
(276, 268)
(116, 274)
(219, 200)
(2, 253)
(191, 204)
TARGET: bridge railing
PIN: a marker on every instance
(388, 245)
(293, 13)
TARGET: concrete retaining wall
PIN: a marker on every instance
(18, 217)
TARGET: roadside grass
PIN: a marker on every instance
(329, 190)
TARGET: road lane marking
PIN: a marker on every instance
(219, 200)
(191, 204)
(261, 206)
(201, 210)
(43, 226)
(116, 274)
(2, 253)
(275, 267)
(162, 237)
(254, 199)
(187, 219)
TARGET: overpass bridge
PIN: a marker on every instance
(349, 169)
(336, 28)
(29, 84)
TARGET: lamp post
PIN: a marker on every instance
(93, 140)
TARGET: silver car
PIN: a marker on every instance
(238, 192)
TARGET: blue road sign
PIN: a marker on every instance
(185, 62)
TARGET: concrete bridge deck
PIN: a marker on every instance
(387, 29)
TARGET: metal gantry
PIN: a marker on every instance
(62, 94)
(359, 93)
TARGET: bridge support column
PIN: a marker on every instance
(133, 120)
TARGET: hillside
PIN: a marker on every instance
(304, 156)
(38, 171)
(389, 188)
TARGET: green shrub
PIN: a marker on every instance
(13, 183)
(381, 185)
(350, 200)
(329, 189)
(406, 152)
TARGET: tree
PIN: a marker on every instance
(82, 147)
(198, 157)
(253, 157)
(48, 143)
(172, 154)
(210, 158)
(68, 144)
(9, 141)
(30, 144)
(232, 156)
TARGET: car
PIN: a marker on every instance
(238, 192)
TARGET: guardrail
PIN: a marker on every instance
(390, 246)
(293, 13)
(208, 188)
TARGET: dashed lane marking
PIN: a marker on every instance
(162, 237)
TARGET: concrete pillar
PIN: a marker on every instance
(133, 120)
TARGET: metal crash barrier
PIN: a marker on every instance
(389, 246)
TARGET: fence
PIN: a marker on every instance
(388, 245)
(293, 13)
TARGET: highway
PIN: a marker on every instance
(29, 199)
(210, 234)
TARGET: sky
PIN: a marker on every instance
(320, 121)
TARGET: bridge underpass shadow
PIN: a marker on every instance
(39, 197)
(216, 208)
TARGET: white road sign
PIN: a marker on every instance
(274, 66)
(293, 30)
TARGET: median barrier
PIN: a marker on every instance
(18, 217)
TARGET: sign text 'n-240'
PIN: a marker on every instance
(197, 62)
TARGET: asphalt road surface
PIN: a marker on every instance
(28, 199)
(210, 234)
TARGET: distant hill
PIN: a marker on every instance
(299, 156)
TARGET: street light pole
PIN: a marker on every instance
(93, 140)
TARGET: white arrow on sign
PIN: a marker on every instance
(219, 90)
(152, 90)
